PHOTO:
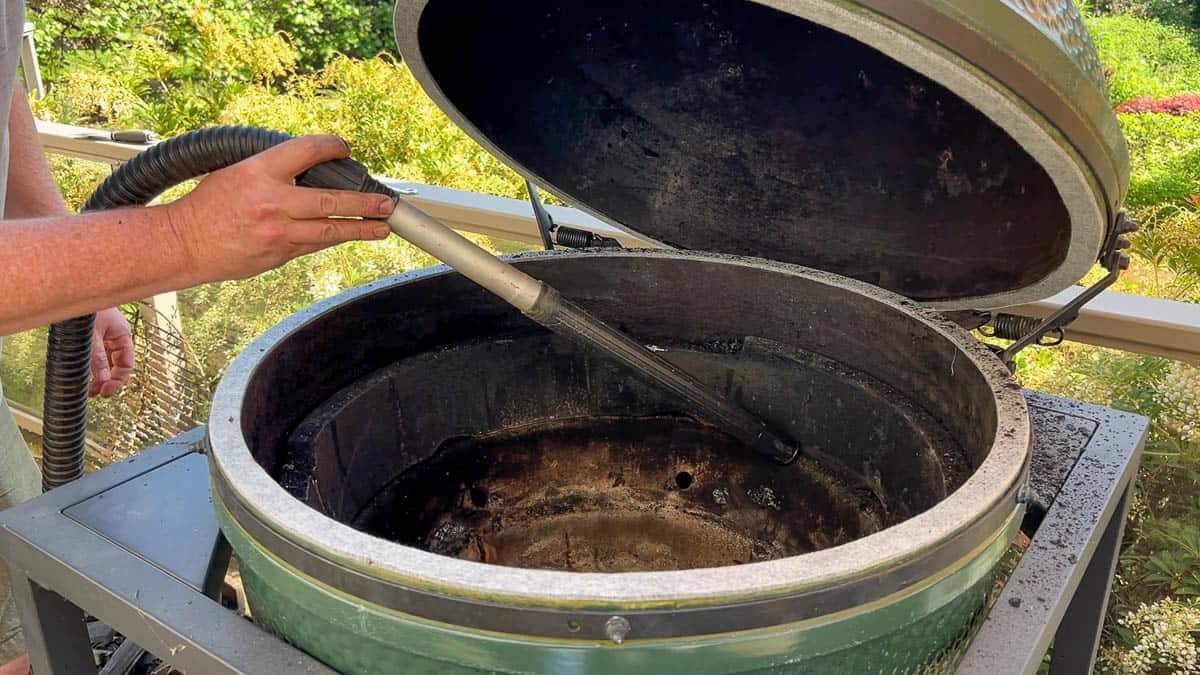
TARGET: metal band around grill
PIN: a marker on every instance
(721, 617)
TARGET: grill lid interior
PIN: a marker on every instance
(734, 127)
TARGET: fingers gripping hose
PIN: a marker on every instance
(135, 183)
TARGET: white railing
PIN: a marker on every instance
(84, 143)
(31, 72)
(1119, 320)
(1122, 321)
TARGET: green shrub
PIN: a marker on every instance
(1164, 156)
(23, 368)
(322, 29)
(77, 178)
(73, 31)
(1183, 13)
(1145, 57)
(81, 32)
(157, 84)
(1166, 253)
(389, 122)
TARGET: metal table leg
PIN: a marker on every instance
(55, 634)
(218, 566)
(136, 545)
(1078, 636)
(1060, 587)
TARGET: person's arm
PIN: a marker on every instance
(238, 222)
(58, 267)
(32, 193)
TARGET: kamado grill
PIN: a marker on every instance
(417, 478)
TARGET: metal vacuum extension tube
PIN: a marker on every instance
(547, 307)
(544, 305)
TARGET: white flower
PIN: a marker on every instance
(1165, 640)
(1179, 393)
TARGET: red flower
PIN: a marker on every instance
(1180, 104)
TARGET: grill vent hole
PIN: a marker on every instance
(479, 497)
(683, 480)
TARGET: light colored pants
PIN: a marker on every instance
(19, 480)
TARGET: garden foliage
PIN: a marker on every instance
(307, 66)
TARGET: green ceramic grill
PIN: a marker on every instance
(416, 478)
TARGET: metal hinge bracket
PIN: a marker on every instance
(1025, 331)
(571, 237)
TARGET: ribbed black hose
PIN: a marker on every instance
(64, 408)
(135, 183)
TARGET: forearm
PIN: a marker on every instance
(50, 269)
(31, 189)
(240, 221)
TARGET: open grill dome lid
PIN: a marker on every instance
(963, 154)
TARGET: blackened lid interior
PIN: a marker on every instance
(734, 127)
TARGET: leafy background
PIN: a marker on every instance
(309, 66)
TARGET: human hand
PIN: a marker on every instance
(112, 353)
(251, 217)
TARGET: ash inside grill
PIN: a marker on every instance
(617, 495)
(540, 456)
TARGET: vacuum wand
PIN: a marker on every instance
(544, 305)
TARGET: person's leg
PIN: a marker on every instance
(19, 480)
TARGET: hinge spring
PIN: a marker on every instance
(1113, 258)
(571, 237)
(1014, 327)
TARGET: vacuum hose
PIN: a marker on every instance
(136, 183)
